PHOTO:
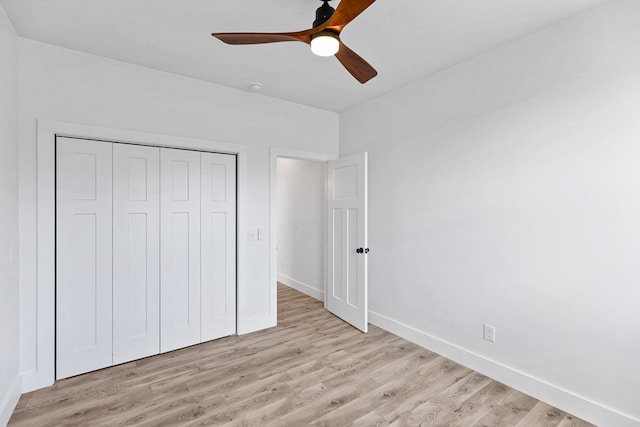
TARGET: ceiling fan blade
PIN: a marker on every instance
(346, 12)
(259, 38)
(358, 67)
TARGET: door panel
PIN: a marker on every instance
(347, 232)
(179, 248)
(136, 244)
(336, 257)
(83, 252)
(351, 244)
(218, 245)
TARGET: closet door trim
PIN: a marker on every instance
(38, 290)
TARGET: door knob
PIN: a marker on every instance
(361, 250)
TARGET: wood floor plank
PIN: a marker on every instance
(439, 410)
(571, 421)
(440, 374)
(509, 411)
(542, 415)
(312, 369)
(476, 407)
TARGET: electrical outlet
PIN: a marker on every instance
(489, 333)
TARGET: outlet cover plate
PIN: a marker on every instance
(489, 333)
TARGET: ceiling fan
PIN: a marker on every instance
(324, 36)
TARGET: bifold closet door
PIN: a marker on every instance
(136, 252)
(146, 251)
(83, 256)
(218, 203)
(180, 249)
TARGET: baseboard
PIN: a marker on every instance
(9, 401)
(302, 287)
(556, 396)
(34, 380)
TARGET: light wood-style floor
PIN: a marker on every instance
(310, 369)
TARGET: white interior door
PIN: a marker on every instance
(83, 252)
(218, 245)
(136, 252)
(179, 248)
(346, 294)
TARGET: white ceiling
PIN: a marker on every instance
(404, 40)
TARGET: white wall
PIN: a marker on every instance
(9, 326)
(506, 190)
(301, 225)
(60, 84)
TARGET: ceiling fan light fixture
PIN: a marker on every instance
(325, 44)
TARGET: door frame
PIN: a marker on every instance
(42, 304)
(275, 154)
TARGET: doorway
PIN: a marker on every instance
(301, 225)
(345, 230)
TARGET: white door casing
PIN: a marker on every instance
(84, 252)
(38, 307)
(179, 248)
(136, 252)
(218, 245)
(346, 293)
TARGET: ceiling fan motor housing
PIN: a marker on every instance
(323, 13)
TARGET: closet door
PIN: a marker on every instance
(83, 252)
(179, 248)
(218, 245)
(136, 252)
